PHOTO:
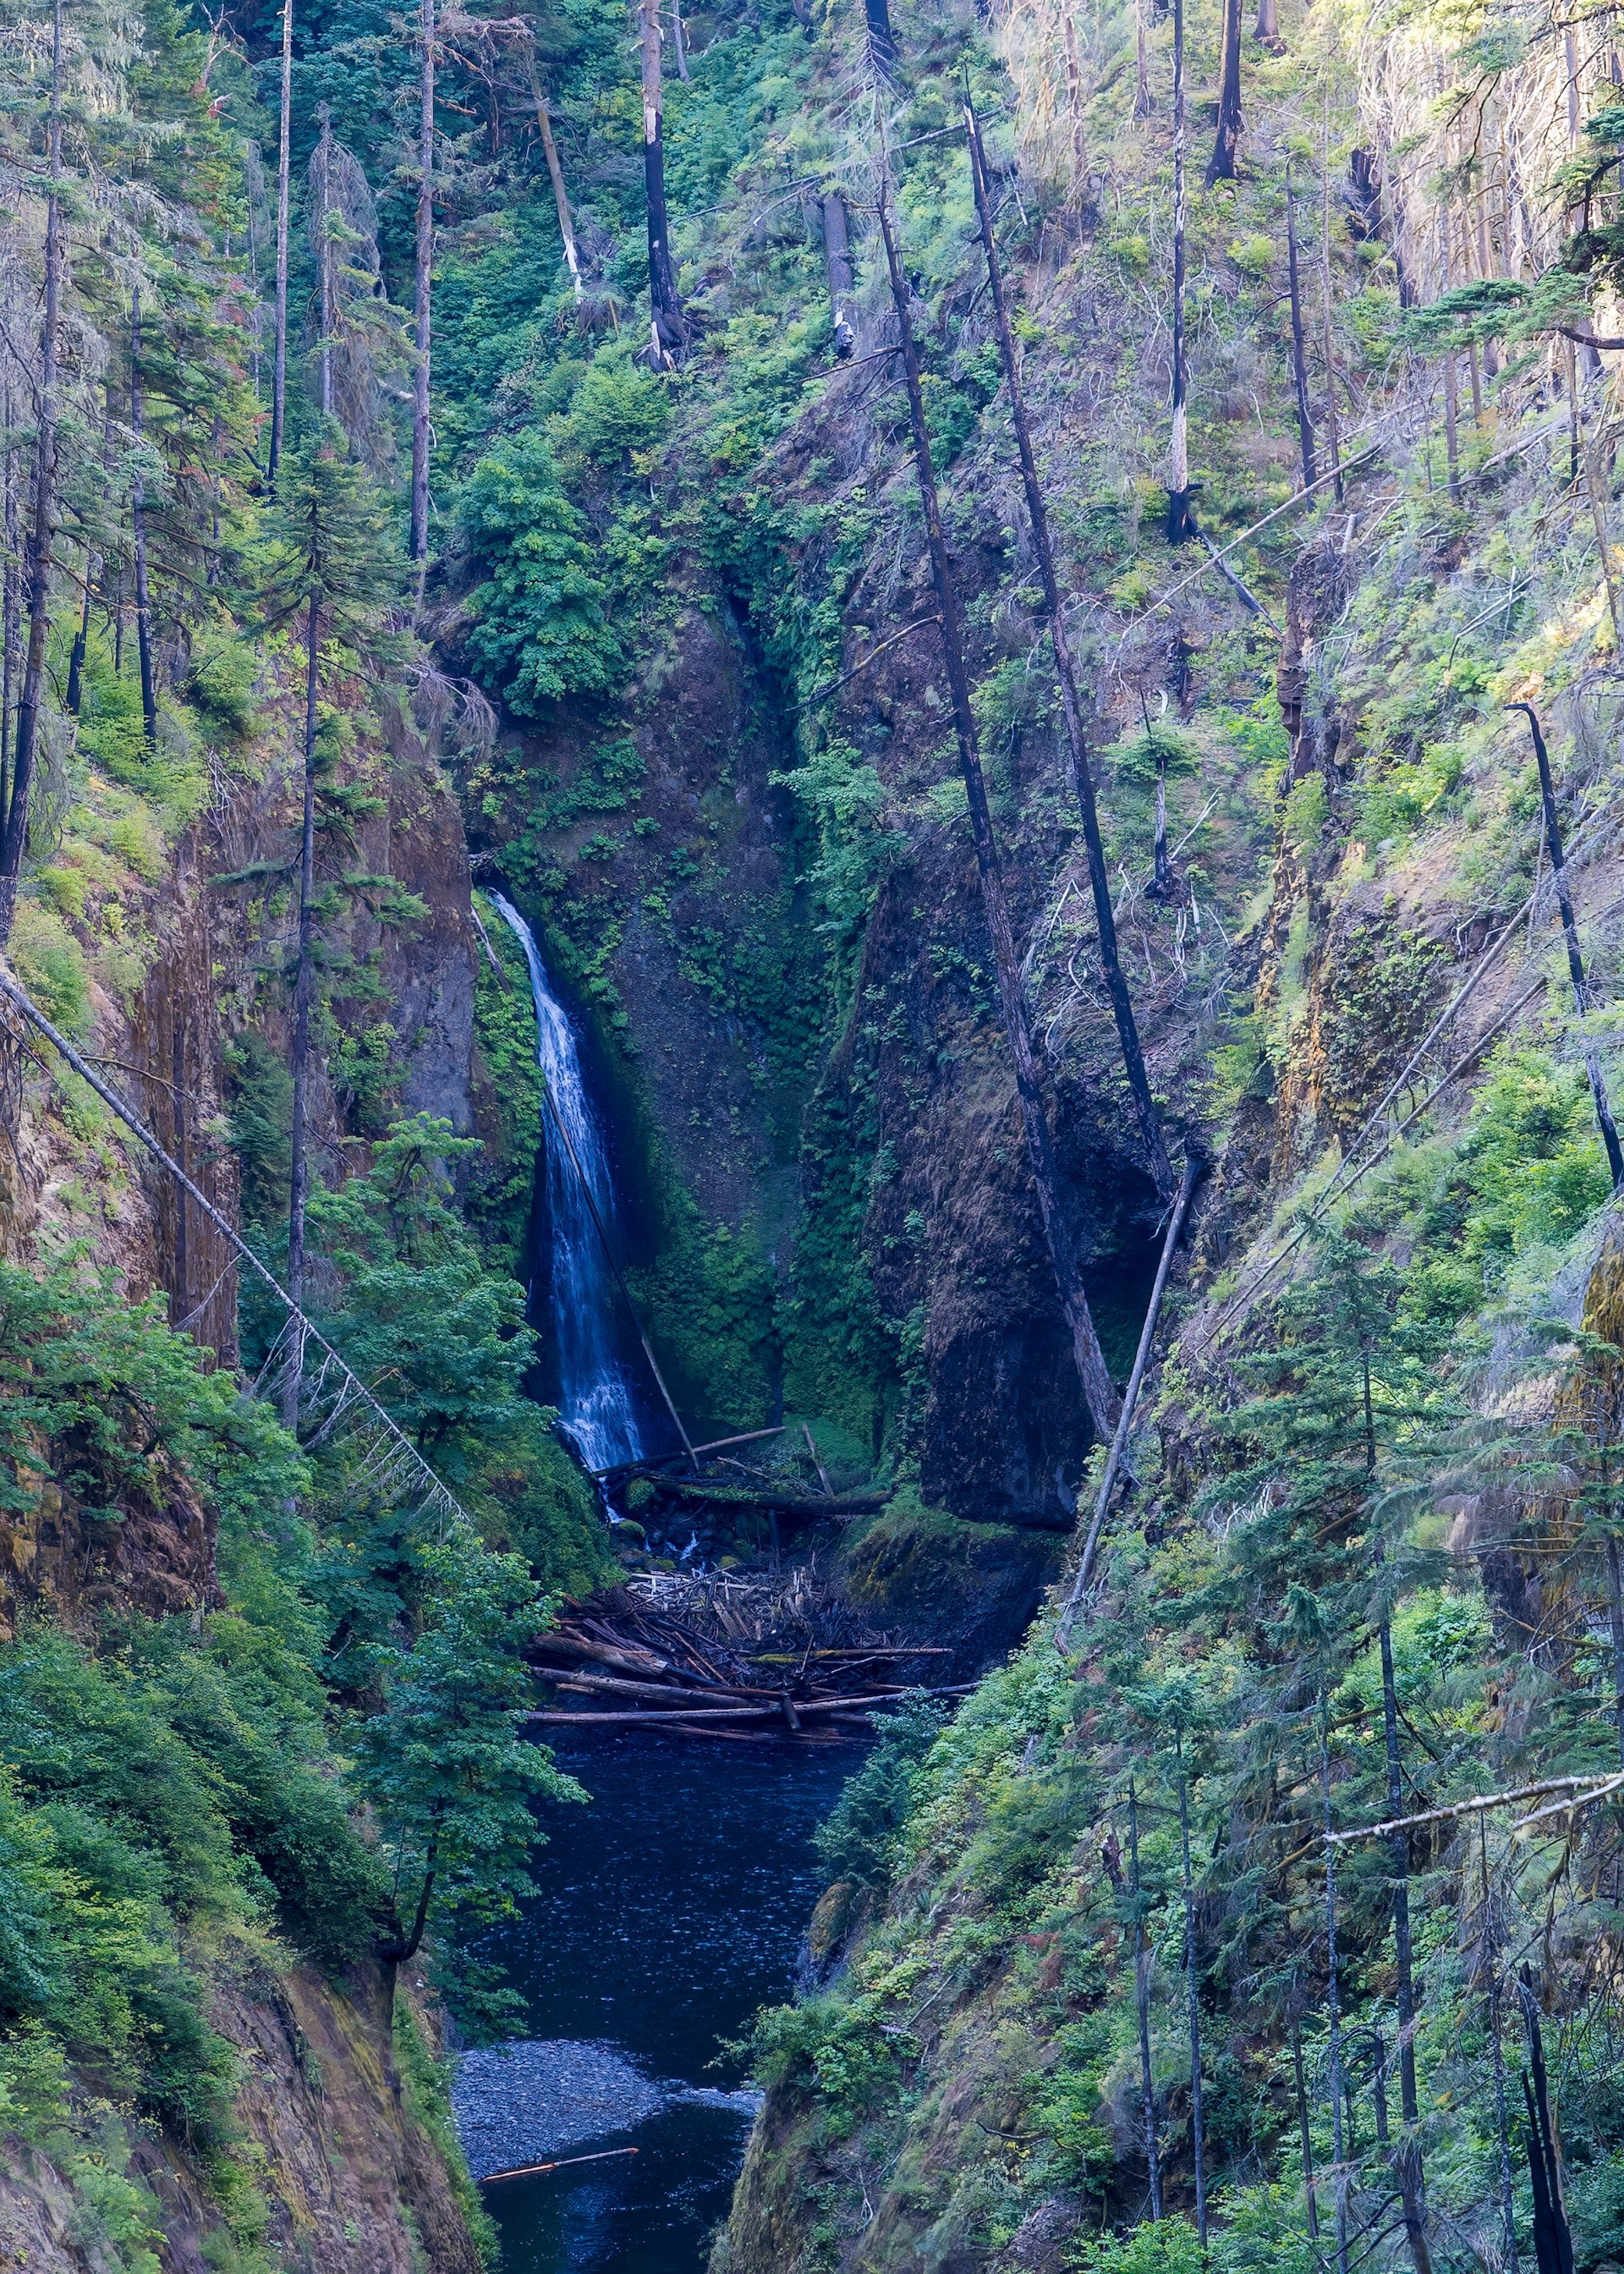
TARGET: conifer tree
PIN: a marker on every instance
(285, 191)
(332, 563)
(42, 536)
(423, 307)
(668, 328)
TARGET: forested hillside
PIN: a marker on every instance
(1026, 602)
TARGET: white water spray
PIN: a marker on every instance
(594, 1396)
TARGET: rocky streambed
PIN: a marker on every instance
(522, 2102)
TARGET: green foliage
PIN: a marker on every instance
(861, 1840)
(503, 1186)
(96, 1394)
(416, 1308)
(833, 2046)
(1531, 1159)
(259, 1122)
(539, 628)
(618, 414)
(330, 543)
(219, 685)
(708, 1300)
(447, 1766)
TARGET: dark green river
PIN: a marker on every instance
(665, 1913)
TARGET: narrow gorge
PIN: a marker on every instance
(811, 1288)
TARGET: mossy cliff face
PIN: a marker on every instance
(753, 880)
(339, 2166)
(173, 981)
(337, 2153)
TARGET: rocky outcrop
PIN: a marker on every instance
(336, 2168)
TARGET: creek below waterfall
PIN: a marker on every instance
(675, 1903)
(666, 1912)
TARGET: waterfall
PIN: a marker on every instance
(594, 1396)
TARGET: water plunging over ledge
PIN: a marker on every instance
(668, 1910)
(595, 1398)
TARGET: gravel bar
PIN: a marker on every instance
(521, 2103)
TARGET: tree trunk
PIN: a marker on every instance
(1331, 428)
(1074, 106)
(11, 607)
(555, 175)
(1161, 885)
(1141, 2001)
(1299, 358)
(14, 837)
(1180, 521)
(881, 40)
(1198, 2142)
(303, 987)
(76, 663)
(327, 307)
(183, 1259)
(1616, 1621)
(1496, 2046)
(1408, 2167)
(1451, 444)
(1221, 165)
(1304, 2136)
(667, 327)
(838, 261)
(137, 527)
(1144, 101)
(1071, 700)
(401, 1954)
(1268, 24)
(1096, 1384)
(285, 190)
(1553, 2238)
(1332, 2000)
(1576, 962)
(679, 45)
(423, 307)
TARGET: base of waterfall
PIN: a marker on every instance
(521, 2103)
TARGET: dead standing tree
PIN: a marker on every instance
(1096, 1382)
(423, 309)
(284, 145)
(1221, 166)
(1299, 359)
(1071, 701)
(838, 261)
(1570, 933)
(668, 330)
(1180, 520)
(555, 175)
(42, 536)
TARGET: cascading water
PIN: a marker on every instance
(594, 1394)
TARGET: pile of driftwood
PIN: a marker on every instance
(634, 1659)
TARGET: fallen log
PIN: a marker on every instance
(659, 1460)
(563, 2164)
(854, 1652)
(553, 1718)
(810, 1505)
(627, 1657)
(611, 1685)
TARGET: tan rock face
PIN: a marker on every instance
(331, 2135)
(336, 2141)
